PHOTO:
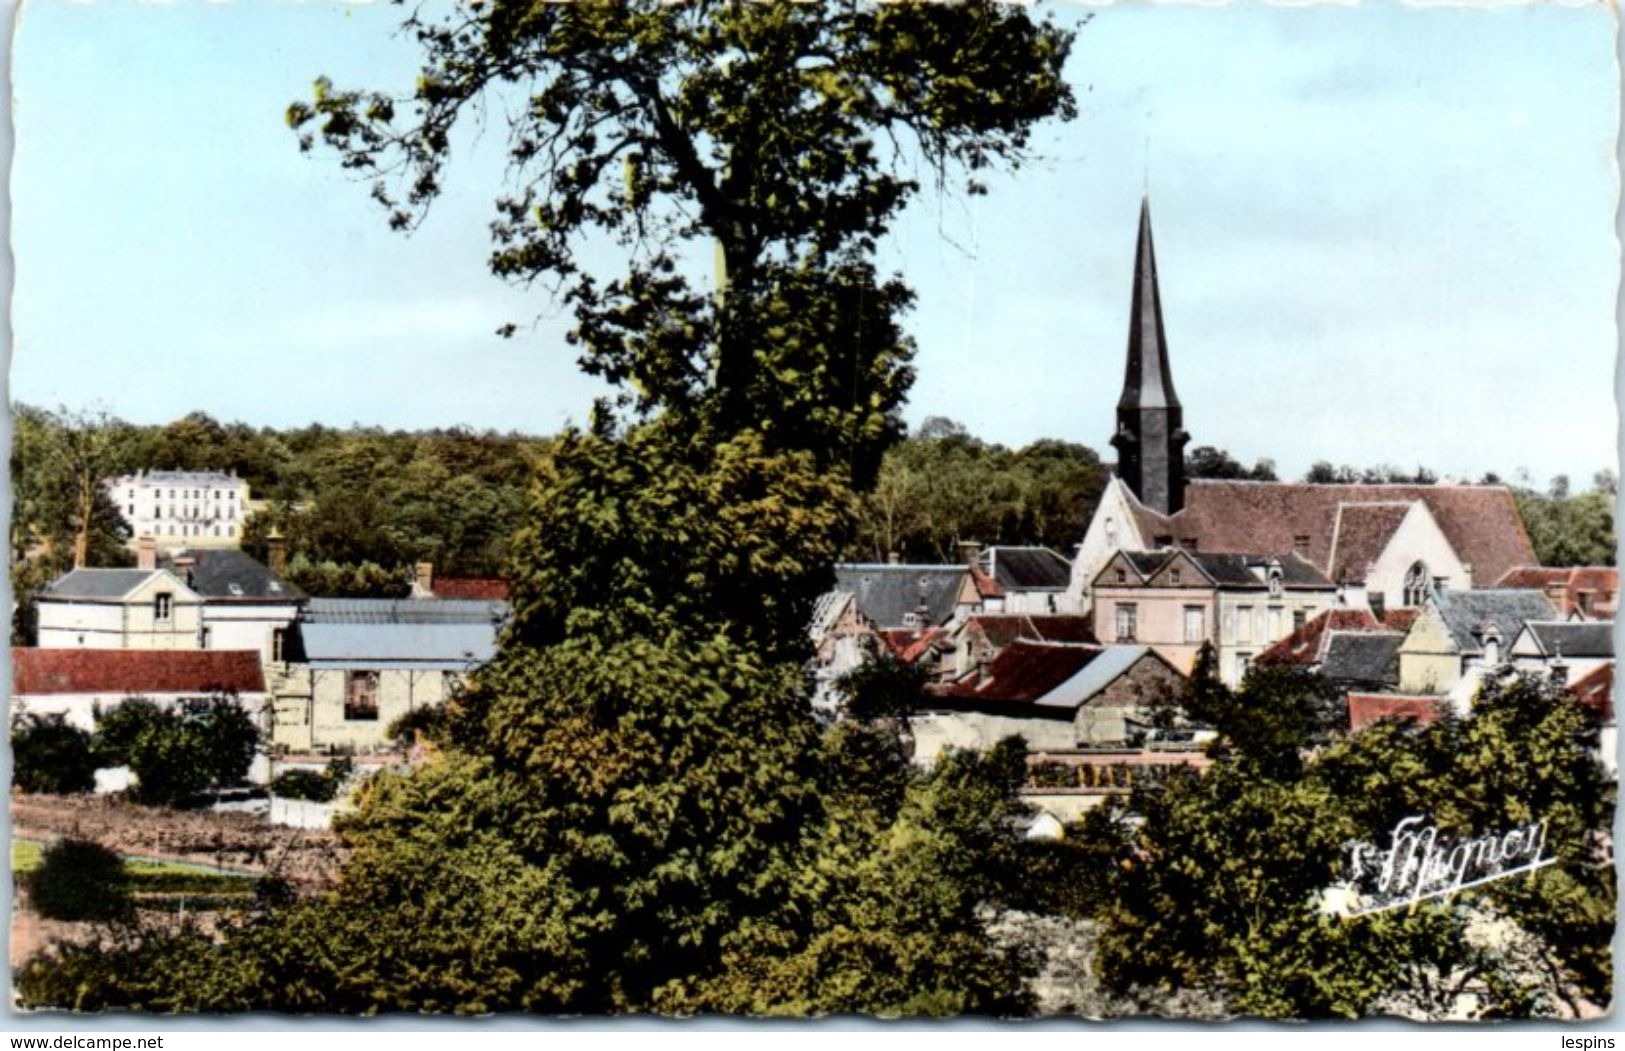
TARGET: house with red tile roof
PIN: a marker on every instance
(81, 683)
(981, 637)
(1591, 592)
(1367, 708)
(1057, 696)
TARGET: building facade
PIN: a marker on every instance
(182, 508)
(120, 609)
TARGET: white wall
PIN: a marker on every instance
(1112, 529)
(1417, 538)
(246, 626)
(80, 625)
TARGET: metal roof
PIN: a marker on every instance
(450, 647)
(1099, 673)
(404, 611)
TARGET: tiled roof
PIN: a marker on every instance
(1001, 629)
(1591, 578)
(887, 593)
(1025, 671)
(1303, 646)
(986, 586)
(228, 575)
(1468, 613)
(50, 671)
(1028, 568)
(1480, 521)
(1044, 676)
(490, 588)
(97, 583)
(1595, 690)
(1361, 533)
(908, 645)
(1230, 570)
(1366, 658)
(1574, 638)
(1367, 708)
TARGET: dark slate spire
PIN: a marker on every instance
(1150, 436)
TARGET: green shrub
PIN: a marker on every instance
(79, 880)
(178, 754)
(304, 784)
(50, 755)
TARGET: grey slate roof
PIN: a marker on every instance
(1574, 638)
(1249, 571)
(1366, 657)
(226, 574)
(1028, 568)
(1468, 613)
(97, 583)
(886, 593)
(446, 647)
(378, 611)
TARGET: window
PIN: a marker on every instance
(1492, 651)
(1229, 625)
(161, 604)
(1165, 541)
(1582, 599)
(132, 510)
(1111, 532)
(1379, 604)
(1195, 624)
(1244, 623)
(1417, 584)
(1122, 576)
(1275, 580)
(1188, 543)
(279, 640)
(1244, 661)
(1173, 577)
(203, 637)
(361, 696)
(1300, 617)
(1300, 545)
(1128, 616)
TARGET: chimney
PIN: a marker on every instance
(423, 584)
(276, 552)
(893, 558)
(969, 552)
(146, 553)
(182, 567)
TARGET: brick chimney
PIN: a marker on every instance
(423, 582)
(276, 552)
(146, 553)
(183, 566)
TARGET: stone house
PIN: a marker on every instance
(356, 665)
(1459, 634)
(1177, 601)
(119, 609)
(1057, 696)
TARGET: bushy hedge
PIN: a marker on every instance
(79, 880)
(48, 754)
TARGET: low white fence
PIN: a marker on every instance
(301, 813)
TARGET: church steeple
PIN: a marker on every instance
(1150, 438)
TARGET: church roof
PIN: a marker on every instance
(1361, 533)
(1480, 521)
(1147, 381)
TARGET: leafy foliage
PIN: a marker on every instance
(1221, 887)
(1568, 528)
(78, 880)
(48, 754)
(942, 486)
(1207, 461)
(178, 753)
(632, 808)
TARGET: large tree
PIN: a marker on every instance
(633, 808)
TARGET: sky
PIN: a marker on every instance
(1385, 234)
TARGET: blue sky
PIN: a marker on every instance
(1385, 234)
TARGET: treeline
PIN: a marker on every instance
(357, 505)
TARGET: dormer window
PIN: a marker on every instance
(1275, 580)
(1300, 545)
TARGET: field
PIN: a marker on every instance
(153, 882)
